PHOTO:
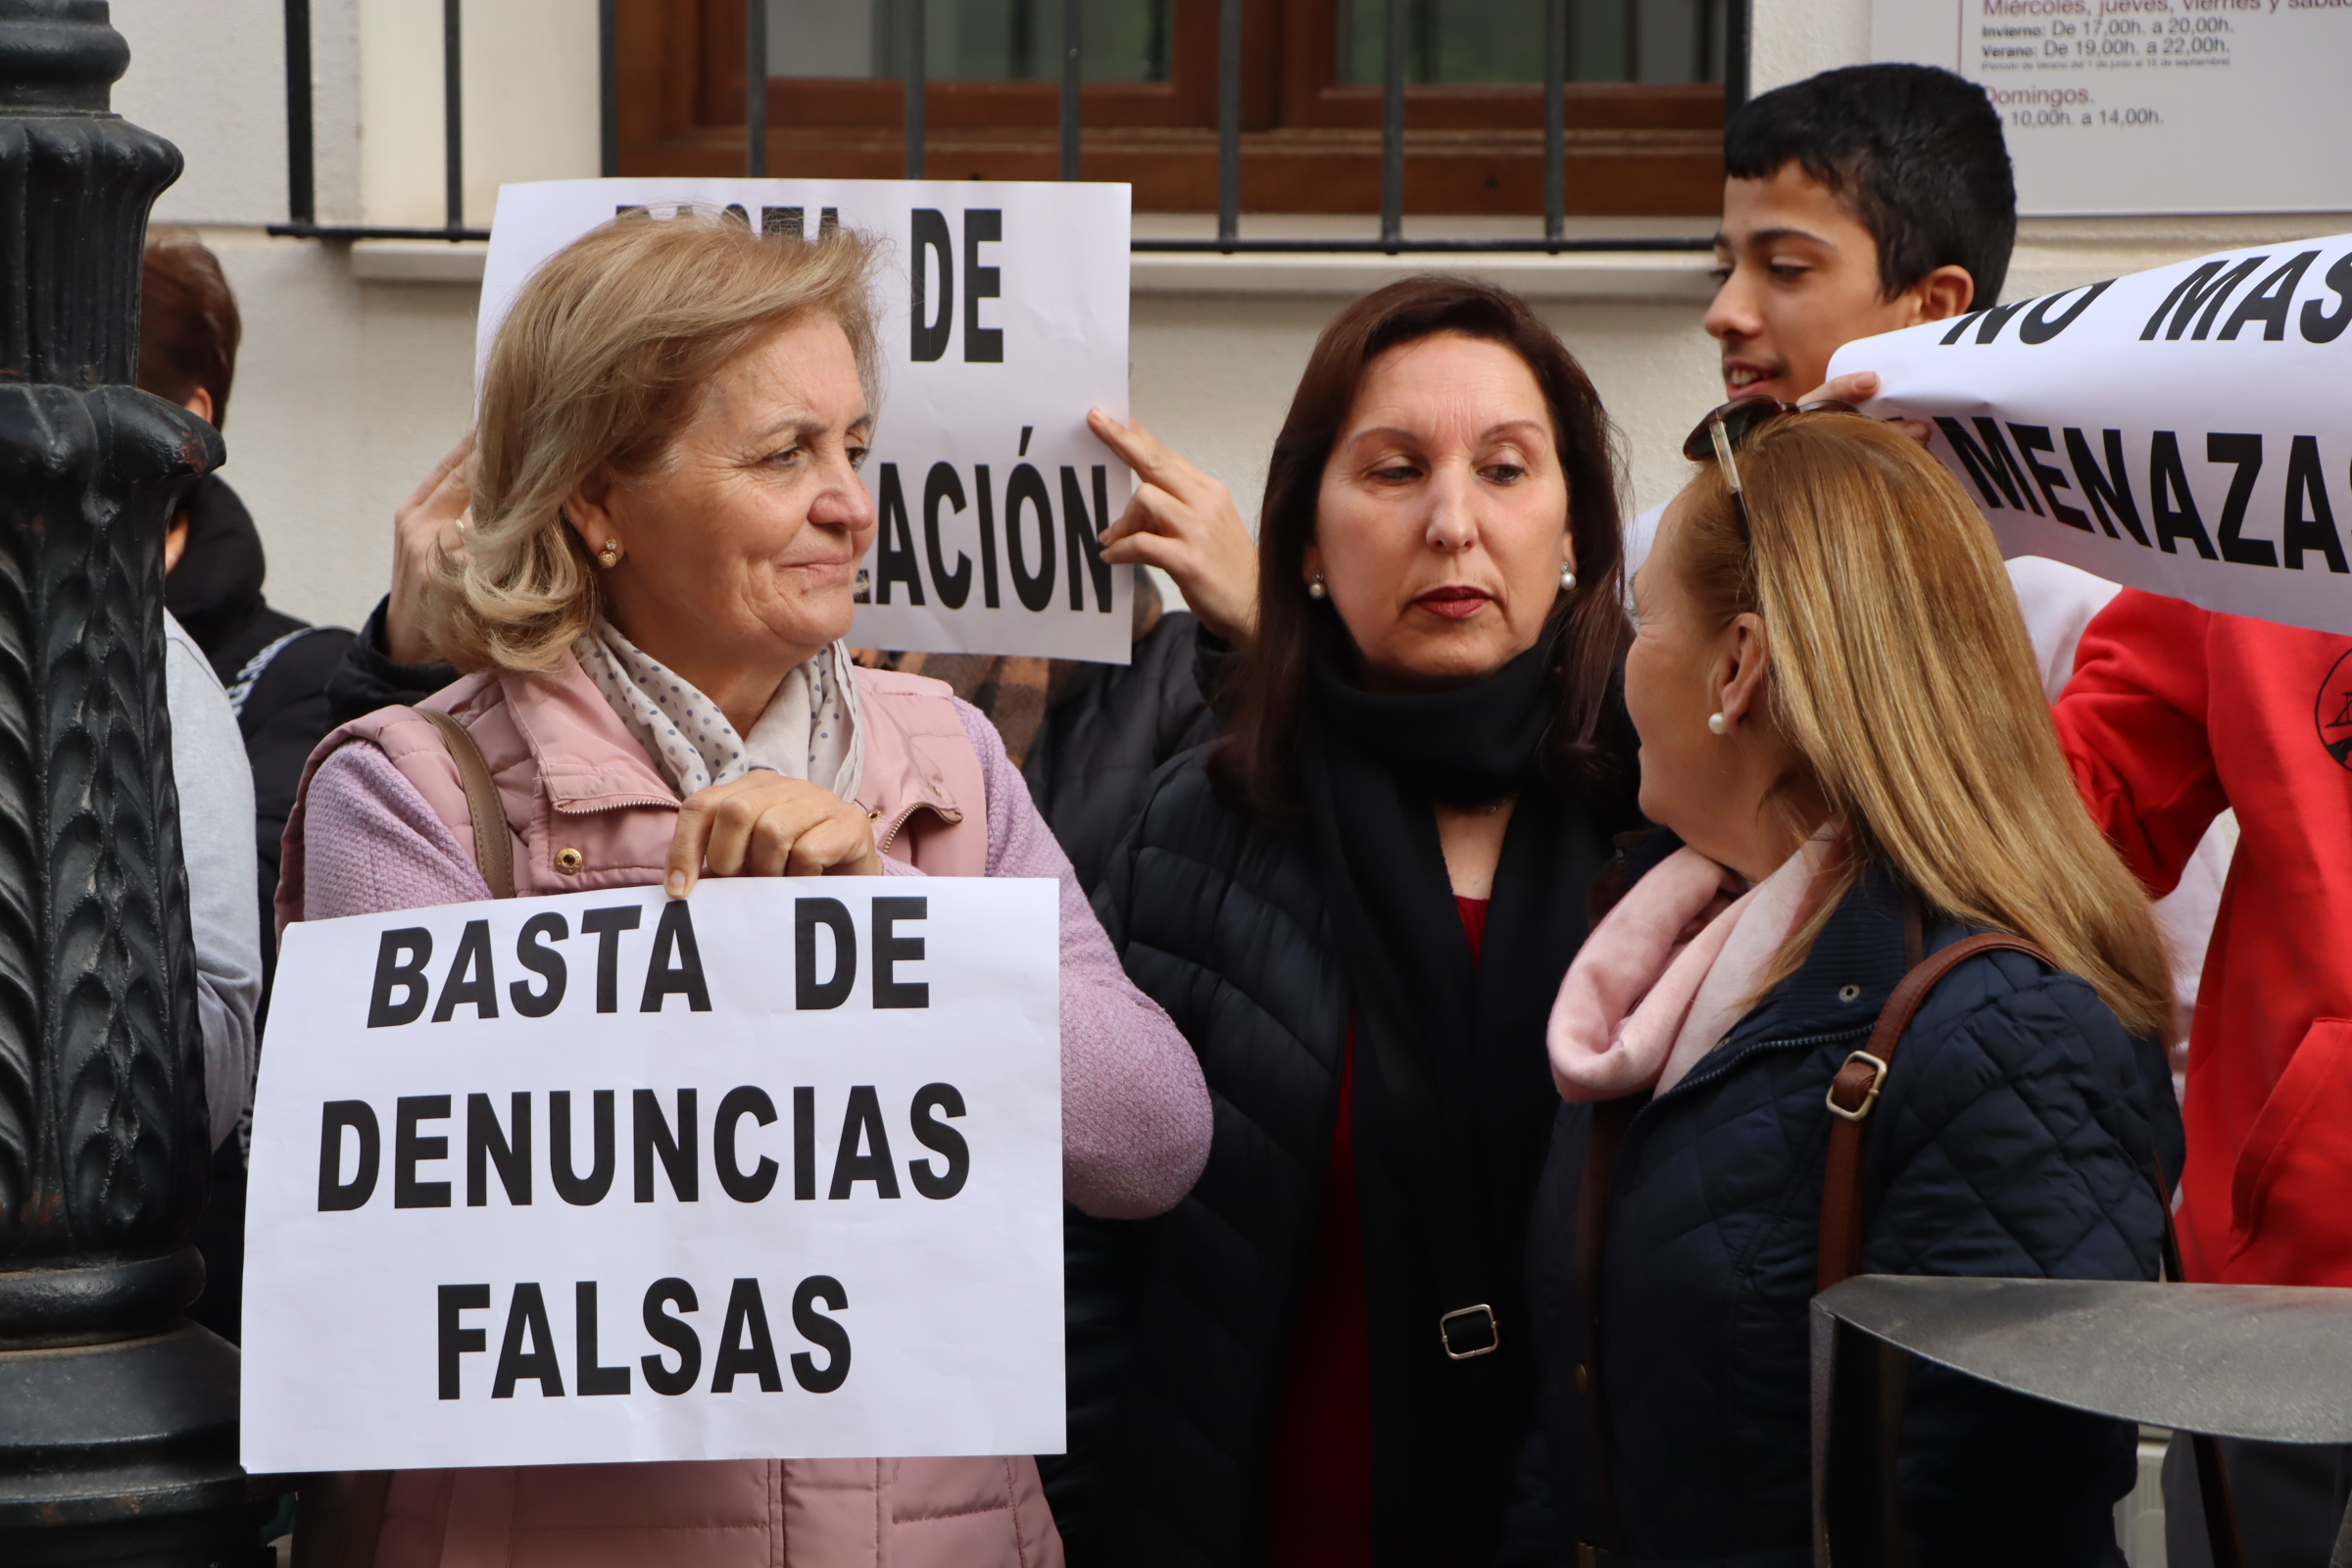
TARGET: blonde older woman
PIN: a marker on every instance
(667, 523)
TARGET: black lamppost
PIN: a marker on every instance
(117, 1417)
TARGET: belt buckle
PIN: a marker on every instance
(1878, 1081)
(1446, 1333)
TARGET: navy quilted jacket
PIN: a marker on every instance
(2014, 1139)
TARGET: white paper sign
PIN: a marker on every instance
(2151, 105)
(2186, 430)
(773, 1172)
(1003, 312)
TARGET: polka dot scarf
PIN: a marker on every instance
(811, 729)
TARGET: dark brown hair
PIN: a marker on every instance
(1265, 690)
(188, 323)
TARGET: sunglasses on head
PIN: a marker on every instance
(1724, 428)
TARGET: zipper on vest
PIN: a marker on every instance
(887, 833)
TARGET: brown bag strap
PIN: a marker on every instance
(1855, 1094)
(493, 840)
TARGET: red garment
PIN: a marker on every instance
(2173, 715)
(1319, 1485)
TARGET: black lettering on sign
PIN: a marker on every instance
(335, 1116)
(2037, 328)
(671, 1333)
(803, 1144)
(2173, 504)
(743, 1186)
(943, 483)
(1991, 464)
(1958, 328)
(926, 334)
(2322, 326)
(1997, 318)
(982, 345)
(808, 916)
(456, 1341)
(606, 925)
(532, 952)
(893, 543)
(822, 1332)
(862, 1126)
(410, 1150)
(2108, 489)
(1027, 486)
(941, 1139)
(593, 1379)
(1085, 537)
(892, 950)
(580, 1190)
(744, 1344)
(2269, 302)
(526, 1318)
(2310, 516)
(2051, 480)
(650, 1135)
(487, 1144)
(676, 967)
(469, 980)
(2244, 451)
(786, 223)
(2208, 286)
(400, 959)
(987, 502)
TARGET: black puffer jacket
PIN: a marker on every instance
(1181, 1328)
(2014, 1137)
(1107, 729)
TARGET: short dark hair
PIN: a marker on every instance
(188, 322)
(1589, 745)
(1914, 152)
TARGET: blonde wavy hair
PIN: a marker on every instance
(1902, 675)
(602, 363)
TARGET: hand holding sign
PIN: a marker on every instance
(1183, 521)
(764, 824)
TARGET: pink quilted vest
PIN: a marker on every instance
(589, 809)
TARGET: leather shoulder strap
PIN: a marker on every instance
(1855, 1094)
(493, 840)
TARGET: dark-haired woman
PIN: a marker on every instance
(1358, 906)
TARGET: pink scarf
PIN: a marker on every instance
(1662, 979)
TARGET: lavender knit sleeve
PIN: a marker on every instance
(372, 843)
(1134, 1112)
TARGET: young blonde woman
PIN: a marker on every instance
(668, 523)
(1840, 723)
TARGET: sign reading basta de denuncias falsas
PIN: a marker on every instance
(770, 1172)
(1004, 319)
(2186, 430)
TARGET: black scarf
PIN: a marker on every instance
(1454, 1098)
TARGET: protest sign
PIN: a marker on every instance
(770, 1172)
(2183, 430)
(2150, 105)
(1004, 319)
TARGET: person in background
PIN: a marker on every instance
(1356, 905)
(1863, 201)
(274, 666)
(237, 706)
(649, 603)
(1858, 774)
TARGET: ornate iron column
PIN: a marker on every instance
(117, 1417)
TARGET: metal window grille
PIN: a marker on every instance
(302, 197)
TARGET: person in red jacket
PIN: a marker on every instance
(2174, 715)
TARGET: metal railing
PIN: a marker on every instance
(301, 160)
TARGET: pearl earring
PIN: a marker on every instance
(1567, 578)
(1716, 724)
(610, 556)
(1315, 588)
